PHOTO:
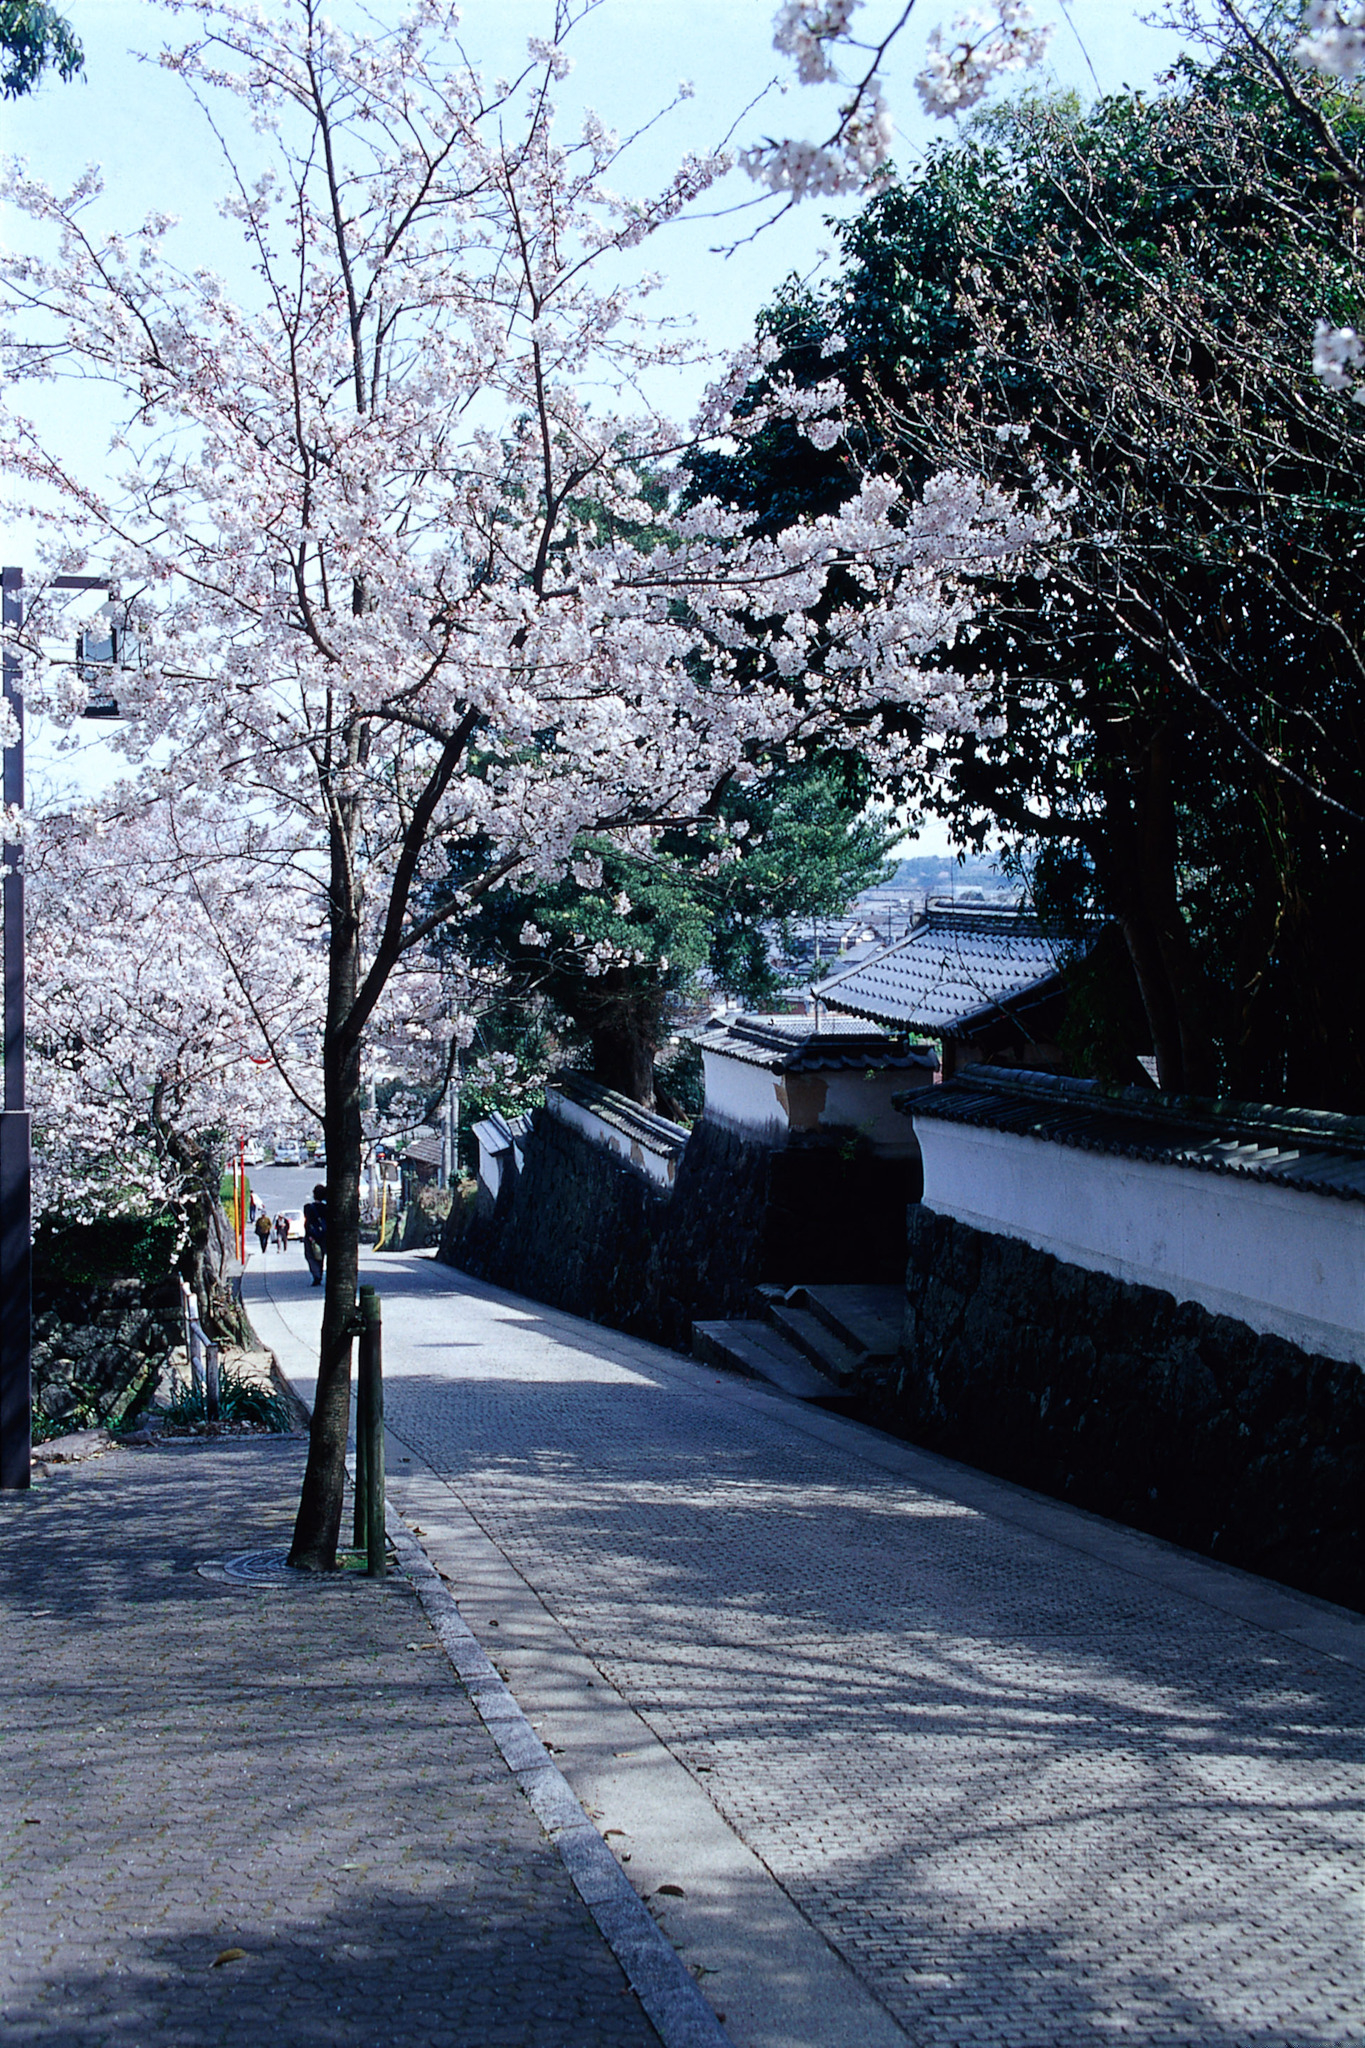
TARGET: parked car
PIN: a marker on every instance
(289, 1152)
(253, 1154)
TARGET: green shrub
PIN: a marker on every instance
(84, 1415)
(239, 1400)
(110, 1248)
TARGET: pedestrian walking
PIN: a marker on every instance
(315, 1233)
(263, 1228)
(282, 1231)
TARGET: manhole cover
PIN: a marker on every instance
(272, 1568)
(255, 1568)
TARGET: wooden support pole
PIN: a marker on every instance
(361, 1522)
(370, 1429)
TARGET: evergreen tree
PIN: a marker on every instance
(34, 37)
(1117, 304)
(600, 960)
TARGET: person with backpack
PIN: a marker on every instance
(263, 1231)
(315, 1233)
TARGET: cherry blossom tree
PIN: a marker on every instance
(963, 59)
(165, 1015)
(1333, 39)
(399, 538)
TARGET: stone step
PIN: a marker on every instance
(813, 1338)
(865, 1317)
(757, 1351)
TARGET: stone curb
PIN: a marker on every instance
(72, 1448)
(656, 1973)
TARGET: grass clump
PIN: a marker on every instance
(242, 1404)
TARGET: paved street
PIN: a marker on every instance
(1034, 1780)
(293, 1775)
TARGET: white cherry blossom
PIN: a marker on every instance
(820, 37)
(382, 533)
(1333, 40)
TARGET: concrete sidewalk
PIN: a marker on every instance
(898, 1751)
(292, 1779)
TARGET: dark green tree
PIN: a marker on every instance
(602, 960)
(34, 38)
(1116, 307)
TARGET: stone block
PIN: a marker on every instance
(1119, 1398)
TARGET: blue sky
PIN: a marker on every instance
(140, 125)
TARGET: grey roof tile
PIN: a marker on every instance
(959, 967)
(1249, 1139)
(797, 1045)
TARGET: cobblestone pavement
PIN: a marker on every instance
(189, 1768)
(1034, 1798)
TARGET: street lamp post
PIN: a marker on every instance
(16, 1290)
(16, 1152)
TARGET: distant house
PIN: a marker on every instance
(499, 1140)
(420, 1164)
(774, 1078)
(985, 982)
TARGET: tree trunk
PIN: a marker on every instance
(318, 1526)
(623, 1048)
(1143, 841)
(1158, 1000)
(212, 1244)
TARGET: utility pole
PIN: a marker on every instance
(448, 1171)
(16, 1276)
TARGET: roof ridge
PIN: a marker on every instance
(1218, 1115)
(589, 1093)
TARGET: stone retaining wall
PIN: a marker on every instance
(99, 1352)
(581, 1229)
(1115, 1397)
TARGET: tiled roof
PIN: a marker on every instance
(426, 1151)
(496, 1132)
(655, 1133)
(797, 1045)
(961, 967)
(1312, 1150)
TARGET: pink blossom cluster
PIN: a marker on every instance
(1333, 40)
(978, 49)
(1338, 352)
(819, 37)
(173, 991)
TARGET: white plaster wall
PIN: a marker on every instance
(754, 1099)
(1287, 1263)
(492, 1158)
(853, 1099)
(743, 1095)
(657, 1166)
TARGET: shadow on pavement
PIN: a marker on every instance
(298, 1773)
